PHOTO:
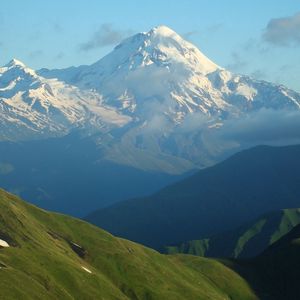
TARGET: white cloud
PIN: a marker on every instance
(266, 126)
(106, 35)
(283, 31)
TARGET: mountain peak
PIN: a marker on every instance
(14, 63)
(163, 31)
(169, 45)
(161, 47)
(18, 66)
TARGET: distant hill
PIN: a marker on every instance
(248, 240)
(275, 273)
(68, 175)
(51, 256)
(214, 200)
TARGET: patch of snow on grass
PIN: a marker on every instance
(3, 244)
(86, 269)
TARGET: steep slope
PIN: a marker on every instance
(52, 256)
(248, 240)
(214, 200)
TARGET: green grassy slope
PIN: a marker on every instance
(246, 241)
(48, 251)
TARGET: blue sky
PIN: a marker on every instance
(259, 38)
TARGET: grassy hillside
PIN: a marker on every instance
(52, 256)
(248, 240)
(214, 200)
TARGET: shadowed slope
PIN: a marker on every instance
(214, 200)
(248, 240)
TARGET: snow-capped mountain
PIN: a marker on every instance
(162, 68)
(160, 89)
(33, 106)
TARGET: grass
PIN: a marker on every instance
(41, 263)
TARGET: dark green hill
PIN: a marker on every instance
(214, 200)
(52, 256)
(248, 240)
(275, 273)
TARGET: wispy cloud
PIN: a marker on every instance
(57, 27)
(237, 62)
(283, 31)
(210, 30)
(285, 68)
(188, 35)
(36, 54)
(266, 126)
(214, 28)
(106, 35)
(258, 74)
(262, 127)
(59, 56)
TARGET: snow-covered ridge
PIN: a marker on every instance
(14, 63)
(36, 106)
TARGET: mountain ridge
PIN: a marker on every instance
(39, 107)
